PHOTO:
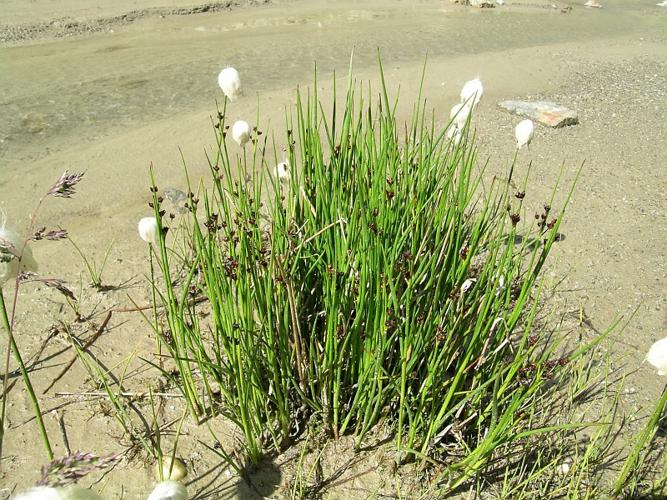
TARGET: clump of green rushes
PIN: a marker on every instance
(377, 284)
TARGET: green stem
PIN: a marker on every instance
(26, 379)
(644, 439)
(158, 344)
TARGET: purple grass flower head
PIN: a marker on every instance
(70, 468)
(53, 235)
(57, 284)
(64, 187)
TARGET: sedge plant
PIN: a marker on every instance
(378, 282)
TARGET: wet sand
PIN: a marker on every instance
(112, 102)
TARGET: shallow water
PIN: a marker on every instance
(59, 93)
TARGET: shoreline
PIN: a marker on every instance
(19, 34)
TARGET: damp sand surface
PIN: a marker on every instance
(112, 99)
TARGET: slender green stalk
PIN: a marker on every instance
(26, 381)
(643, 440)
(158, 344)
(94, 272)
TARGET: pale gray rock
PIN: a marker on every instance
(481, 3)
(545, 112)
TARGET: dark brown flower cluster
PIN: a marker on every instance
(542, 219)
(528, 372)
(230, 266)
(392, 321)
(404, 265)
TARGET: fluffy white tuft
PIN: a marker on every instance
(40, 493)
(11, 244)
(241, 132)
(169, 490)
(460, 113)
(524, 133)
(282, 170)
(148, 230)
(230, 83)
(472, 92)
(72, 492)
(657, 356)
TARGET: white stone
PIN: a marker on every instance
(171, 471)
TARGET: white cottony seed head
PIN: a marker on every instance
(241, 132)
(454, 134)
(72, 492)
(39, 493)
(11, 245)
(169, 490)
(230, 83)
(282, 170)
(148, 230)
(459, 114)
(524, 133)
(471, 92)
(657, 356)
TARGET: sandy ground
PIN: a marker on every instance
(112, 101)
